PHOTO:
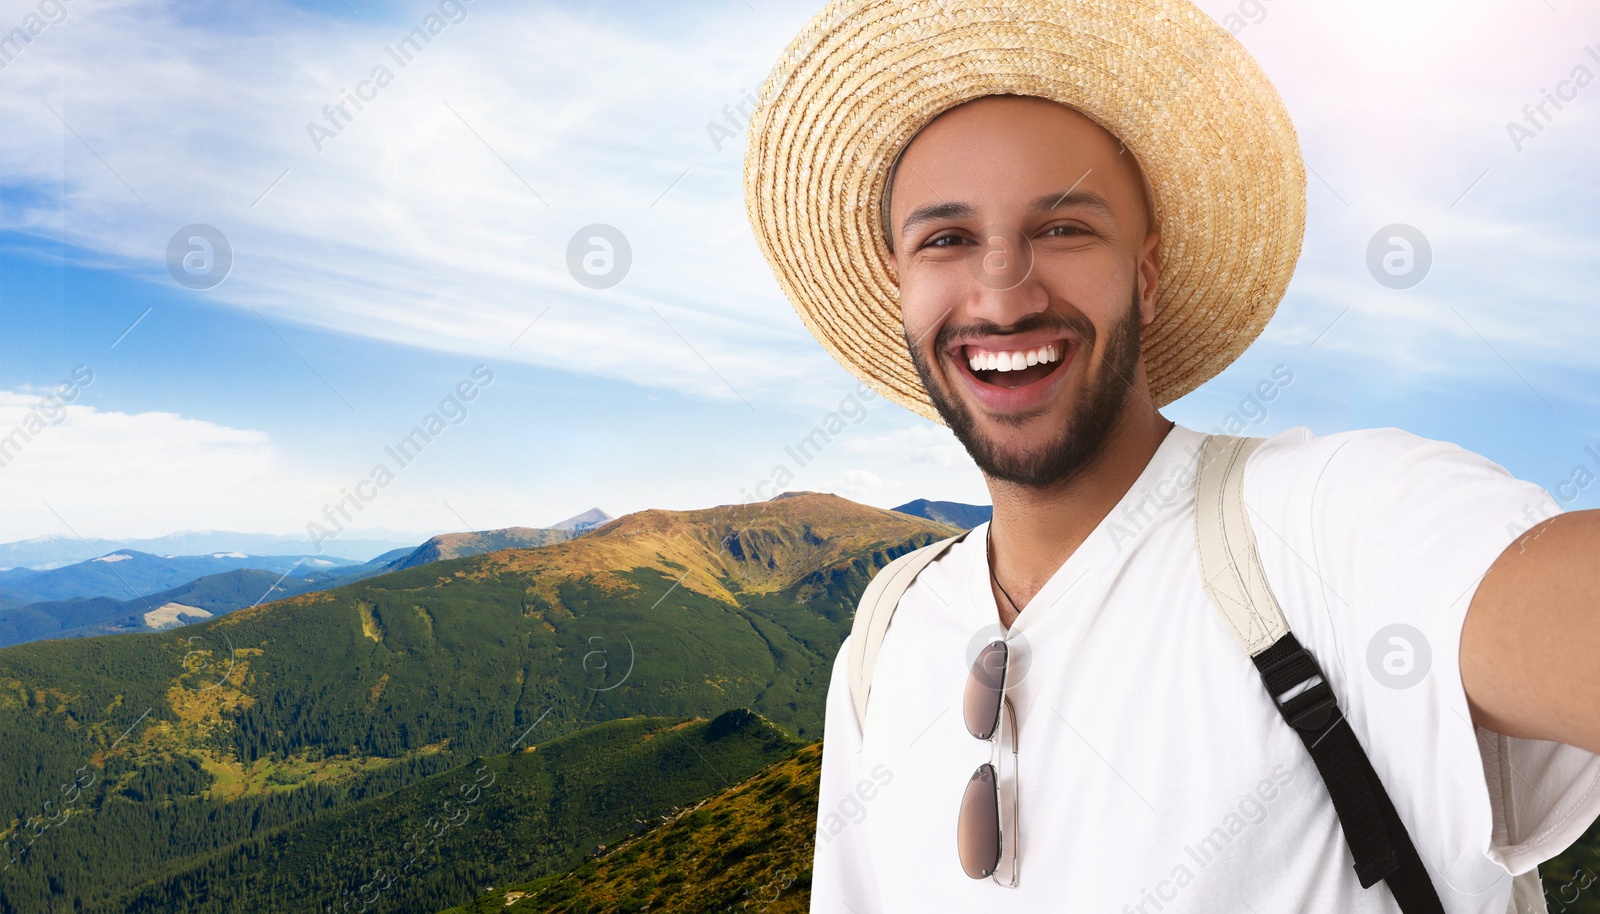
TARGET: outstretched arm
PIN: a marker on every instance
(1530, 646)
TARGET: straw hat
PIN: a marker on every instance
(1208, 129)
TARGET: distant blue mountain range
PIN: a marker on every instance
(202, 598)
(127, 573)
(953, 513)
(159, 607)
(55, 551)
(127, 590)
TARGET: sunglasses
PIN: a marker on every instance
(980, 839)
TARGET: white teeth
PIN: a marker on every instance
(1014, 360)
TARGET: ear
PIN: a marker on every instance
(1149, 273)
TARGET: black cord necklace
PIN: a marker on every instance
(988, 543)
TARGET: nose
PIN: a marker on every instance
(1005, 287)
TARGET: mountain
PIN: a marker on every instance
(129, 574)
(578, 523)
(180, 746)
(954, 513)
(203, 598)
(211, 595)
(457, 545)
(750, 844)
(383, 562)
(536, 810)
(54, 551)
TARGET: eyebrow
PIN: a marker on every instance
(1044, 203)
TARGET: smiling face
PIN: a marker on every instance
(1027, 269)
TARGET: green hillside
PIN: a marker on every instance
(535, 810)
(748, 848)
(190, 741)
(1572, 879)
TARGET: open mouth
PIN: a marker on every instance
(1013, 368)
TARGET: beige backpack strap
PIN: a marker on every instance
(1230, 566)
(1527, 894)
(874, 611)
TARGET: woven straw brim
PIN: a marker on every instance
(1203, 121)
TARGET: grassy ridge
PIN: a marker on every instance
(749, 850)
(534, 810)
(460, 545)
(744, 850)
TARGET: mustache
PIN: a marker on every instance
(951, 335)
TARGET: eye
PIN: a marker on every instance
(947, 240)
(1066, 231)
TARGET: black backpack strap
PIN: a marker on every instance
(1378, 840)
(1231, 569)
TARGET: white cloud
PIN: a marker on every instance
(1401, 121)
(108, 474)
(119, 474)
(924, 443)
(858, 485)
(440, 214)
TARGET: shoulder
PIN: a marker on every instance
(1388, 498)
(1368, 466)
(1362, 449)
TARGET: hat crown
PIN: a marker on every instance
(1219, 152)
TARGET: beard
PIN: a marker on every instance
(1093, 416)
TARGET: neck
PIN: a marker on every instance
(1035, 530)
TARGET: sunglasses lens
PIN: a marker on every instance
(984, 684)
(978, 830)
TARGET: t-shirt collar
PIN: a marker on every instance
(1168, 476)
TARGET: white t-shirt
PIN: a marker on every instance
(1154, 772)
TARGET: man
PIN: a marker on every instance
(1039, 223)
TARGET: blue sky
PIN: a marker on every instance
(423, 239)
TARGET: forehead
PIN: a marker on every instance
(1004, 142)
